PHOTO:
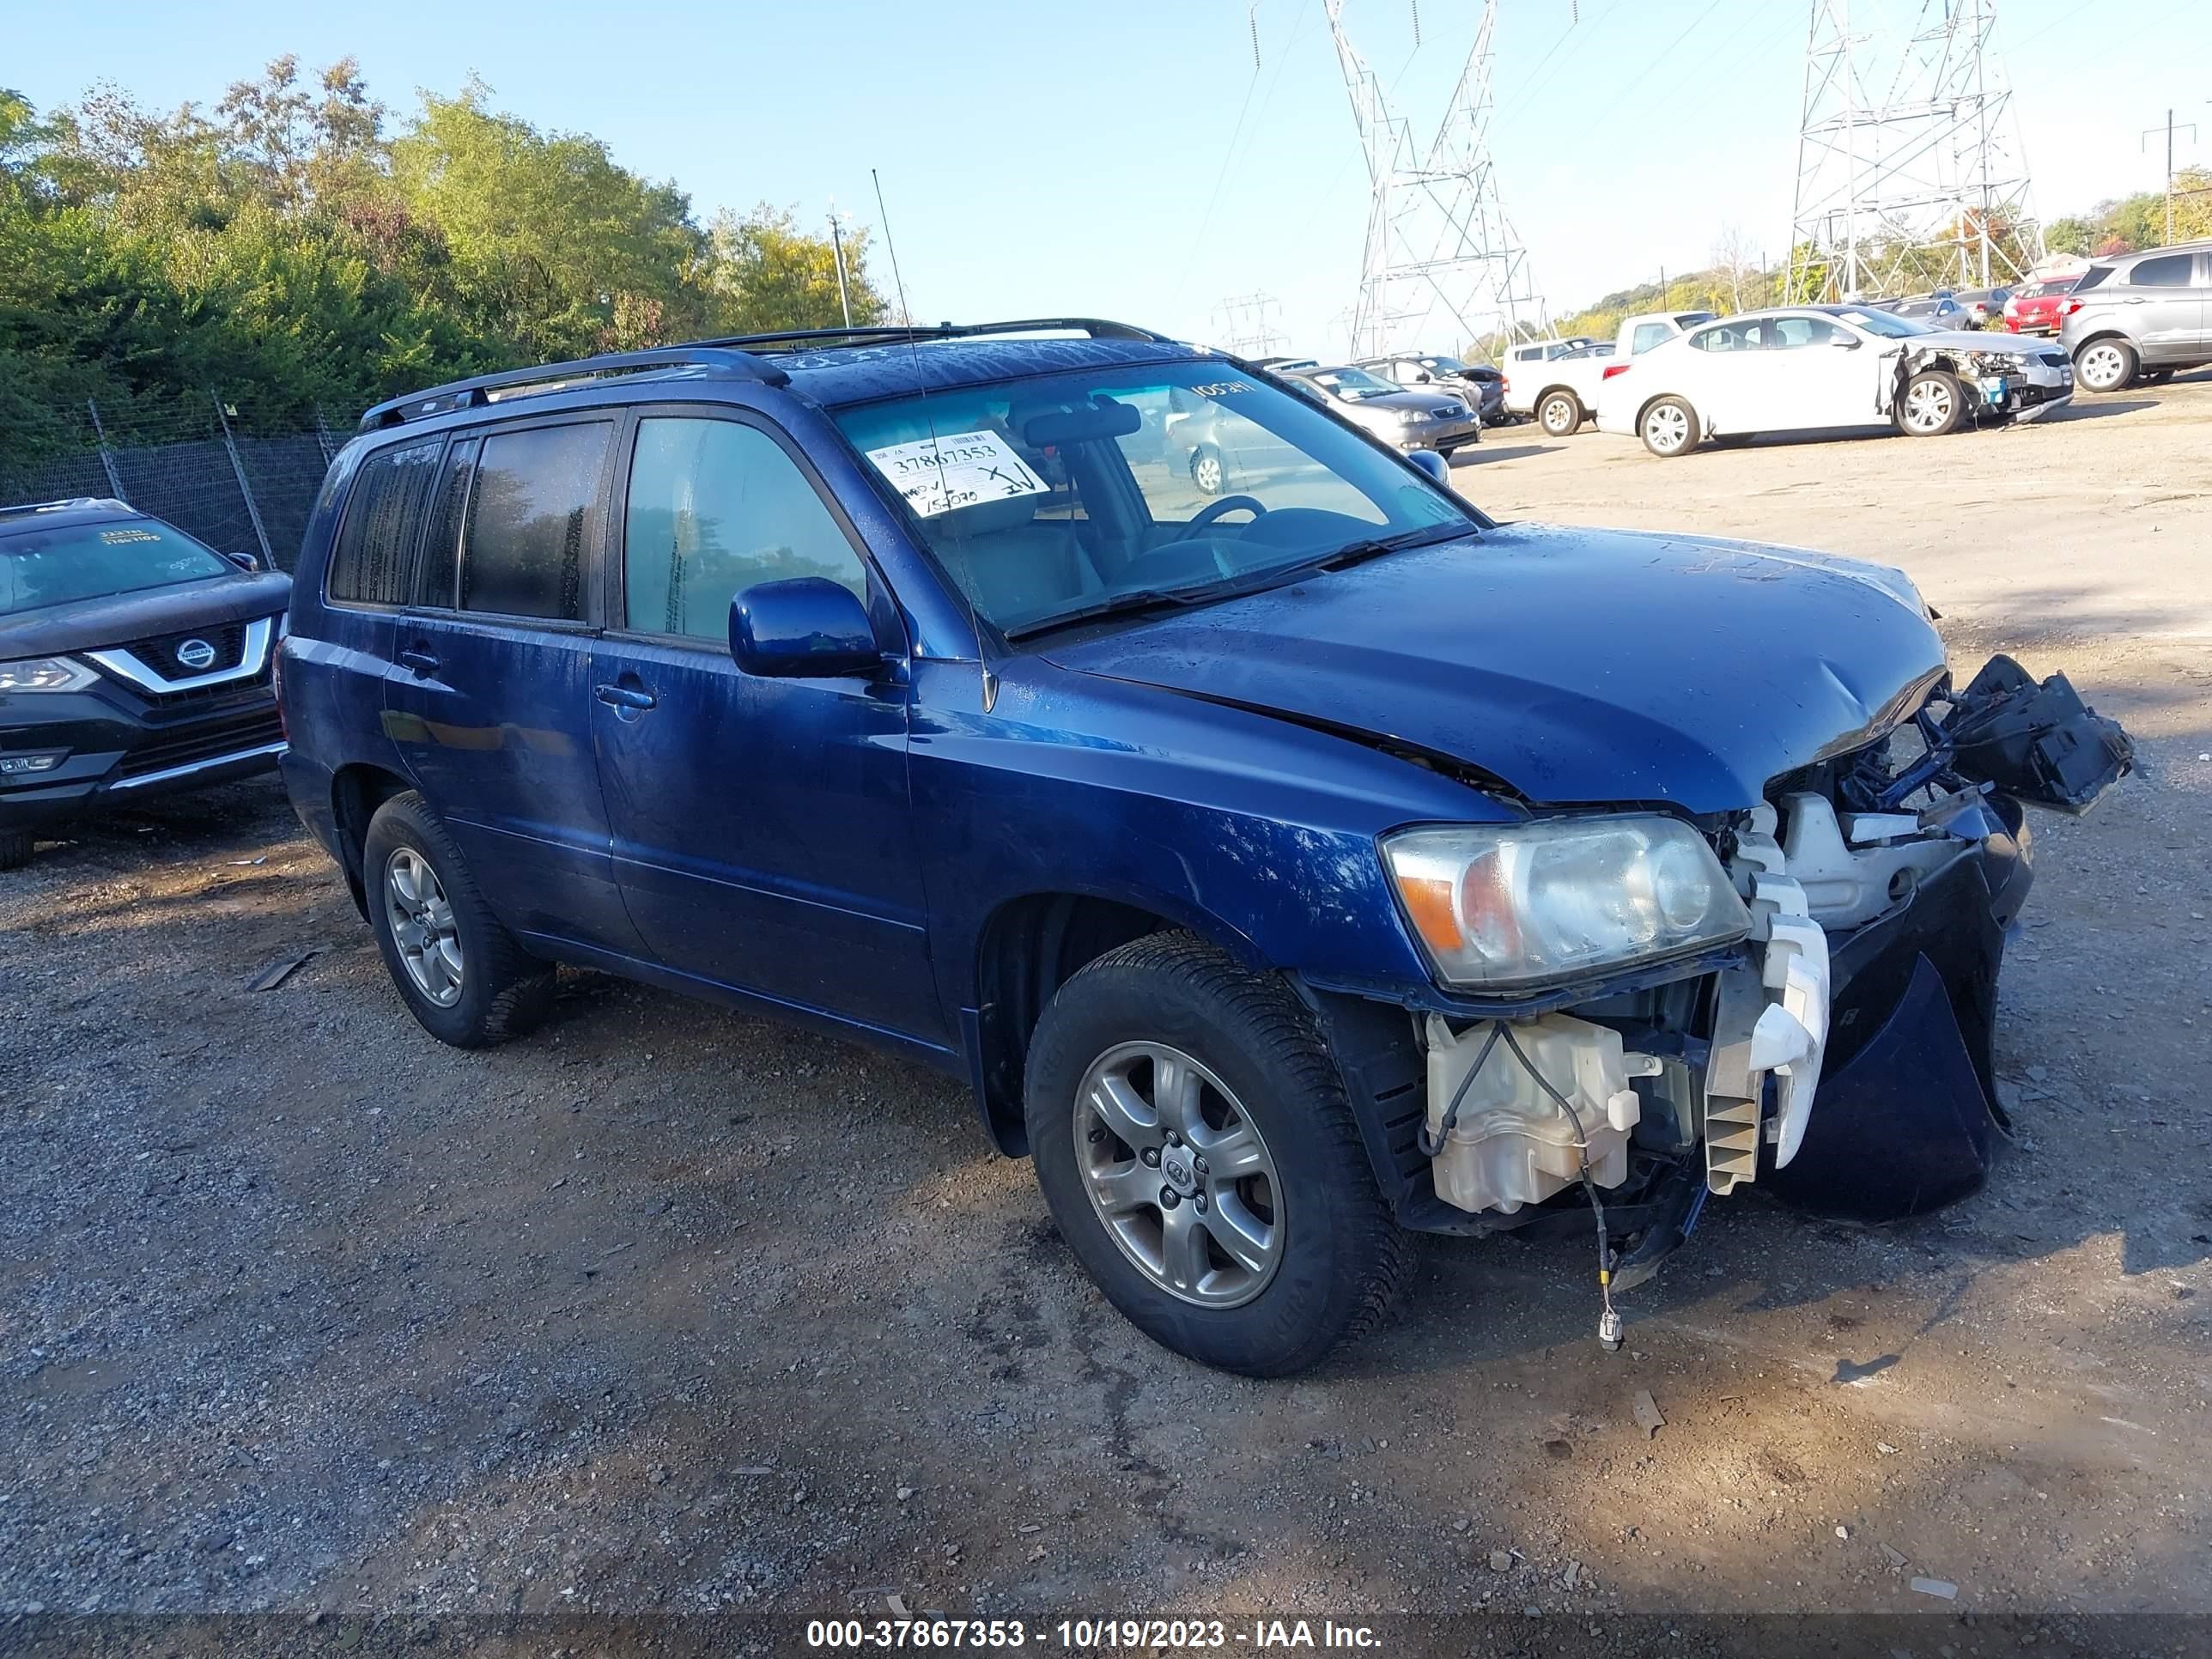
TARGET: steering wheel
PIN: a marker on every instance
(1213, 510)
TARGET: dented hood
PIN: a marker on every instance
(1578, 667)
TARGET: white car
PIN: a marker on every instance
(1806, 367)
(1560, 388)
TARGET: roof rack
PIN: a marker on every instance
(1097, 328)
(714, 356)
(67, 503)
(731, 355)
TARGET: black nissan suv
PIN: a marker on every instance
(133, 660)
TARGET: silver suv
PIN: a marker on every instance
(2140, 314)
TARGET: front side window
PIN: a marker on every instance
(1050, 499)
(2167, 270)
(91, 560)
(532, 515)
(1791, 333)
(374, 561)
(714, 507)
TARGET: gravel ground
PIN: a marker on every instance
(667, 1311)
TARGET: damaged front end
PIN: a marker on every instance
(1837, 1049)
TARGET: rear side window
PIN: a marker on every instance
(2167, 270)
(534, 510)
(714, 507)
(374, 561)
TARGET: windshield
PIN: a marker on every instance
(90, 560)
(1070, 495)
(1441, 365)
(1351, 385)
(1887, 324)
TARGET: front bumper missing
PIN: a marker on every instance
(1870, 981)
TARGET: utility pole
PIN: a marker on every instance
(2167, 130)
(837, 252)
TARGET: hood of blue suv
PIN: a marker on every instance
(1576, 666)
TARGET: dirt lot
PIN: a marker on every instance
(665, 1309)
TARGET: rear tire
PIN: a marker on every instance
(2106, 365)
(1206, 470)
(1669, 427)
(2157, 376)
(1560, 414)
(1316, 1257)
(462, 975)
(1933, 404)
(15, 848)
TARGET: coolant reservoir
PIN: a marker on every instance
(1511, 1144)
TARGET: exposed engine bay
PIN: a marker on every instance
(1842, 1055)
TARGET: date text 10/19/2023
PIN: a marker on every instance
(1087, 1635)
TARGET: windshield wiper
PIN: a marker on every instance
(1143, 598)
(1351, 553)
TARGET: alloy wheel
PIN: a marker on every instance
(2103, 367)
(1177, 1173)
(1206, 473)
(1928, 406)
(423, 927)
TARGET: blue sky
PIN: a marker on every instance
(1127, 159)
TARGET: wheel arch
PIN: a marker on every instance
(1027, 948)
(357, 789)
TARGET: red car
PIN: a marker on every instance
(2034, 307)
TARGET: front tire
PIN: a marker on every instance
(2106, 365)
(1560, 415)
(15, 848)
(1933, 404)
(1668, 429)
(1193, 1140)
(462, 975)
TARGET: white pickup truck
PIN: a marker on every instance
(1557, 380)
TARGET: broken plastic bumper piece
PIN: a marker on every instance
(2040, 744)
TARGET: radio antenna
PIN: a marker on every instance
(921, 392)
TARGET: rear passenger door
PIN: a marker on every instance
(488, 697)
(2164, 293)
(762, 833)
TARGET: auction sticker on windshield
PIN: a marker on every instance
(938, 475)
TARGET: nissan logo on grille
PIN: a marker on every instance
(195, 654)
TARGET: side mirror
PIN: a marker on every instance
(245, 561)
(1422, 377)
(1437, 468)
(1845, 342)
(805, 629)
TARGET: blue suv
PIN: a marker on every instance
(1285, 870)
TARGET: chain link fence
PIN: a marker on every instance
(242, 483)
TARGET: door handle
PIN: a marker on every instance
(624, 697)
(421, 662)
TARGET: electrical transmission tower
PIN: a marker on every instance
(1440, 254)
(1910, 172)
(1246, 331)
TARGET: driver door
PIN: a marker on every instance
(1821, 375)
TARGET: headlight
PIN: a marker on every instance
(45, 674)
(1501, 906)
